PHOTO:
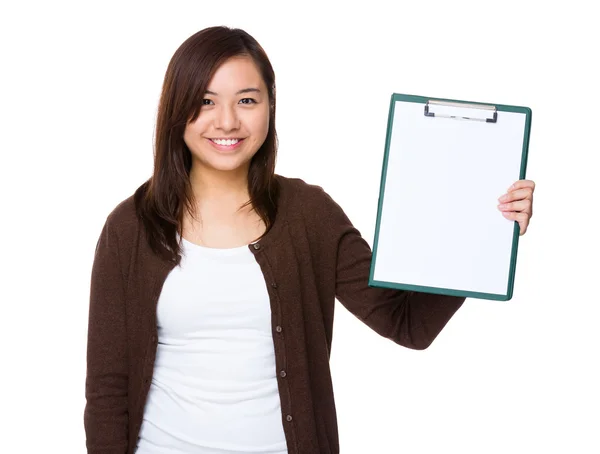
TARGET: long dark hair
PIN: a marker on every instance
(160, 202)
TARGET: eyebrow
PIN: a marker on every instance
(245, 90)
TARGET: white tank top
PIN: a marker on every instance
(214, 385)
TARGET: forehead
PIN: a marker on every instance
(235, 74)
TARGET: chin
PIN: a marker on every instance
(229, 166)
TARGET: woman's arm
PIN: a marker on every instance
(411, 319)
(106, 413)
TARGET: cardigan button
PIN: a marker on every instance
(256, 246)
(274, 285)
(288, 417)
(282, 374)
(278, 328)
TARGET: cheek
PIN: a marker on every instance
(187, 132)
(262, 125)
(192, 131)
(260, 129)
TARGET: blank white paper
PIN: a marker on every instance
(440, 225)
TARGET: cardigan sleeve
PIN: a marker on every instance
(411, 319)
(106, 414)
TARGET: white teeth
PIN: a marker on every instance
(226, 142)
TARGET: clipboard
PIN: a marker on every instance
(438, 227)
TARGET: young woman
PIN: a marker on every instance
(213, 285)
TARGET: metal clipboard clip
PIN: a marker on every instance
(461, 111)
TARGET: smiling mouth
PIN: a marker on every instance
(226, 142)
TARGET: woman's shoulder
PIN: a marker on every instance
(301, 190)
(122, 219)
(313, 201)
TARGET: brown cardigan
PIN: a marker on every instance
(311, 256)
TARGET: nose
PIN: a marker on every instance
(227, 118)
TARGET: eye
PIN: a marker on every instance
(204, 103)
(253, 101)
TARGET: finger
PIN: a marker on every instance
(519, 205)
(522, 184)
(521, 218)
(518, 194)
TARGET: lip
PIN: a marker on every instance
(226, 147)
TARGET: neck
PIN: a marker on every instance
(226, 188)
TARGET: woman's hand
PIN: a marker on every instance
(517, 203)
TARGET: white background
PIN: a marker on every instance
(79, 90)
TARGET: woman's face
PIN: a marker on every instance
(235, 107)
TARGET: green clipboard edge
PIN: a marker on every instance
(513, 260)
